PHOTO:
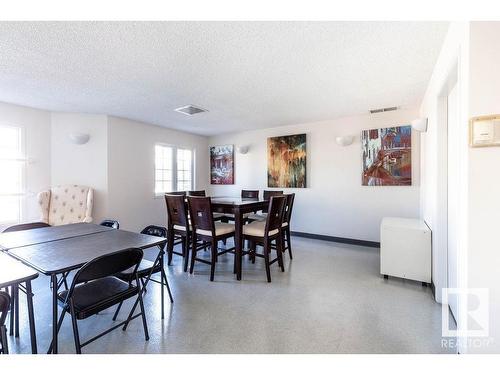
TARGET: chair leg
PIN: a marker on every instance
(59, 324)
(143, 315)
(74, 323)
(12, 310)
(3, 340)
(266, 258)
(164, 277)
(279, 251)
(117, 311)
(170, 247)
(193, 254)
(213, 259)
(16, 323)
(185, 257)
(288, 241)
(184, 244)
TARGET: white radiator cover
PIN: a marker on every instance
(405, 249)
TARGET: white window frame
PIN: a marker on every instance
(22, 159)
(174, 167)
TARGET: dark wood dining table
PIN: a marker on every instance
(238, 207)
(79, 244)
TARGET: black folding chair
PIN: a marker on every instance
(110, 223)
(147, 268)
(4, 309)
(95, 288)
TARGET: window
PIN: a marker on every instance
(11, 171)
(173, 169)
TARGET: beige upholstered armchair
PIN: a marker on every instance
(66, 204)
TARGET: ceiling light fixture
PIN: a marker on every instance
(190, 110)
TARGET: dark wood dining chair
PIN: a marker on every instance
(146, 268)
(261, 216)
(250, 194)
(110, 223)
(25, 226)
(196, 193)
(96, 288)
(179, 227)
(287, 218)
(4, 309)
(183, 193)
(207, 230)
(265, 232)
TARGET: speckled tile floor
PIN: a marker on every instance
(330, 299)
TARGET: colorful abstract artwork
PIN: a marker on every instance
(387, 156)
(222, 165)
(286, 161)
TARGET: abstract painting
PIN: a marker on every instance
(222, 165)
(387, 156)
(286, 161)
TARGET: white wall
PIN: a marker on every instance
(484, 176)
(131, 170)
(451, 67)
(36, 129)
(85, 164)
(334, 203)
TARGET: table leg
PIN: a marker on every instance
(53, 279)
(238, 234)
(31, 317)
(16, 315)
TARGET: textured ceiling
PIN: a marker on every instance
(247, 74)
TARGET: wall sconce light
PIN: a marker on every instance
(420, 124)
(242, 149)
(344, 140)
(79, 138)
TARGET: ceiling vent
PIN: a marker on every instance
(388, 109)
(190, 110)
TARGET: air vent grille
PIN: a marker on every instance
(190, 110)
(388, 109)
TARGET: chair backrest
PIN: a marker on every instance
(4, 306)
(276, 210)
(176, 210)
(155, 230)
(250, 194)
(183, 193)
(107, 265)
(196, 193)
(110, 223)
(287, 217)
(271, 193)
(26, 226)
(200, 209)
(66, 204)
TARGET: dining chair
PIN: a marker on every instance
(287, 218)
(110, 223)
(146, 268)
(179, 227)
(183, 193)
(196, 193)
(265, 232)
(250, 194)
(25, 226)
(261, 216)
(96, 288)
(4, 309)
(208, 230)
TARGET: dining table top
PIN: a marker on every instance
(14, 272)
(59, 256)
(236, 201)
(11, 240)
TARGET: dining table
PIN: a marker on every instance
(238, 207)
(57, 250)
